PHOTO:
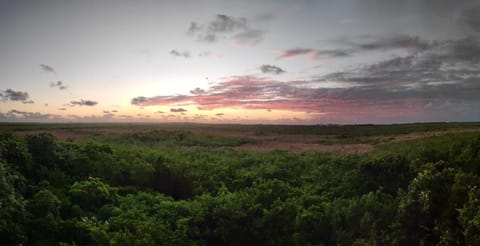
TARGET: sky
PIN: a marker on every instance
(223, 61)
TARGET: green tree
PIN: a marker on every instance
(91, 194)
(45, 218)
(12, 210)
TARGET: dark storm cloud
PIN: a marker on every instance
(271, 69)
(19, 96)
(294, 52)
(82, 102)
(47, 68)
(226, 27)
(446, 62)
(58, 84)
(470, 18)
(447, 72)
(185, 54)
(178, 110)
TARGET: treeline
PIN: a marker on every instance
(91, 193)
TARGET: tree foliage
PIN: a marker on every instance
(114, 193)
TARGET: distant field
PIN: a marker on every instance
(294, 138)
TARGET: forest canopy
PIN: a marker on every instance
(92, 192)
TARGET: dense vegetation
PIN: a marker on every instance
(130, 191)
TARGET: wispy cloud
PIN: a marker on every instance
(178, 110)
(83, 102)
(16, 96)
(185, 54)
(385, 44)
(47, 68)
(58, 84)
(334, 53)
(248, 37)
(395, 42)
(294, 52)
(17, 115)
(351, 46)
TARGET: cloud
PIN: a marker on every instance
(225, 23)
(203, 54)
(451, 61)
(334, 53)
(194, 27)
(248, 37)
(438, 80)
(226, 27)
(146, 101)
(47, 68)
(58, 84)
(470, 18)
(220, 114)
(62, 109)
(177, 53)
(159, 112)
(294, 52)
(11, 95)
(139, 100)
(271, 69)
(114, 111)
(178, 110)
(17, 115)
(82, 102)
(197, 91)
(396, 42)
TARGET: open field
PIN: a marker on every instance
(320, 138)
(189, 184)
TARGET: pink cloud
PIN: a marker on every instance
(294, 52)
(256, 93)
